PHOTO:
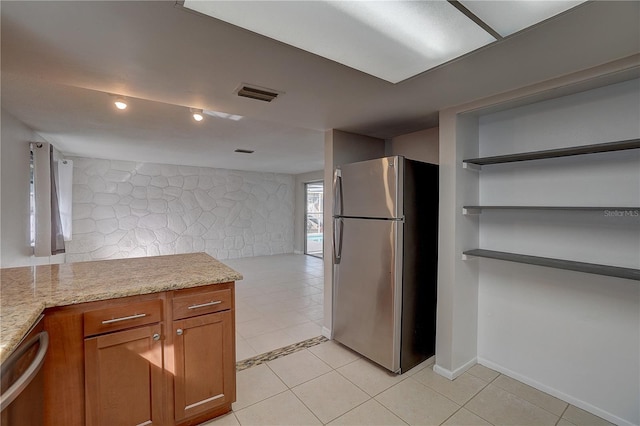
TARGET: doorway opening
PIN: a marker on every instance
(313, 231)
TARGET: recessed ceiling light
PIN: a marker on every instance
(197, 114)
(120, 102)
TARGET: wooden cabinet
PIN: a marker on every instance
(203, 353)
(204, 380)
(63, 368)
(126, 314)
(159, 359)
(124, 364)
(123, 373)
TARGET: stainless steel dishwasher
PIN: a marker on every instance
(22, 383)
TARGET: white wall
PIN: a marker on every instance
(456, 323)
(14, 235)
(575, 335)
(127, 209)
(422, 145)
(300, 208)
(571, 334)
(340, 148)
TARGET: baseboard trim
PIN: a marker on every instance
(455, 373)
(327, 333)
(558, 394)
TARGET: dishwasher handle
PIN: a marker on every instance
(30, 373)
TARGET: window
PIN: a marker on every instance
(314, 228)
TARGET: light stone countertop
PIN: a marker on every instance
(26, 291)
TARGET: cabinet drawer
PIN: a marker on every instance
(121, 317)
(204, 302)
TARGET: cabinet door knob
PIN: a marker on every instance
(179, 332)
(156, 336)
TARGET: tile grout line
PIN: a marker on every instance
(341, 375)
(379, 393)
(262, 400)
(294, 394)
(290, 389)
(531, 402)
(438, 392)
(476, 394)
(461, 406)
(356, 385)
(562, 415)
(452, 414)
(371, 398)
(301, 383)
(516, 396)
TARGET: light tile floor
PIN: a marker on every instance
(279, 302)
(331, 385)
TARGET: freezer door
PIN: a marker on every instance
(371, 188)
(368, 290)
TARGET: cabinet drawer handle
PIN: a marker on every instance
(136, 316)
(204, 305)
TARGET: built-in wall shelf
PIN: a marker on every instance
(590, 268)
(554, 153)
(613, 211)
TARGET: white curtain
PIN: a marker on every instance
(49, 238)
(64, 185)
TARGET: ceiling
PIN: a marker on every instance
(391, 40)
(61, 60)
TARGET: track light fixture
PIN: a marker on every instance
(197, 114)
(120, 102)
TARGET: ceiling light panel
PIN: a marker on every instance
(508, 17)
(392, 40)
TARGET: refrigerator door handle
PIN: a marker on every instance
(337, 193)
(337, 240)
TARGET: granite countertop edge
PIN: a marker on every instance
(21, 305)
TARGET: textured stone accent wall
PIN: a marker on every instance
(126, 209)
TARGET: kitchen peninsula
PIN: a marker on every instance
(166, 315)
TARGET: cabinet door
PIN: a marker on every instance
(204, 363)
(123, 377)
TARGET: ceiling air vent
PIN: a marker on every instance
(244, 151)
(258, 93)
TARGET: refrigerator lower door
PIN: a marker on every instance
(367, 295)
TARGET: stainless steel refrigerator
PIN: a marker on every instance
(385, 249)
